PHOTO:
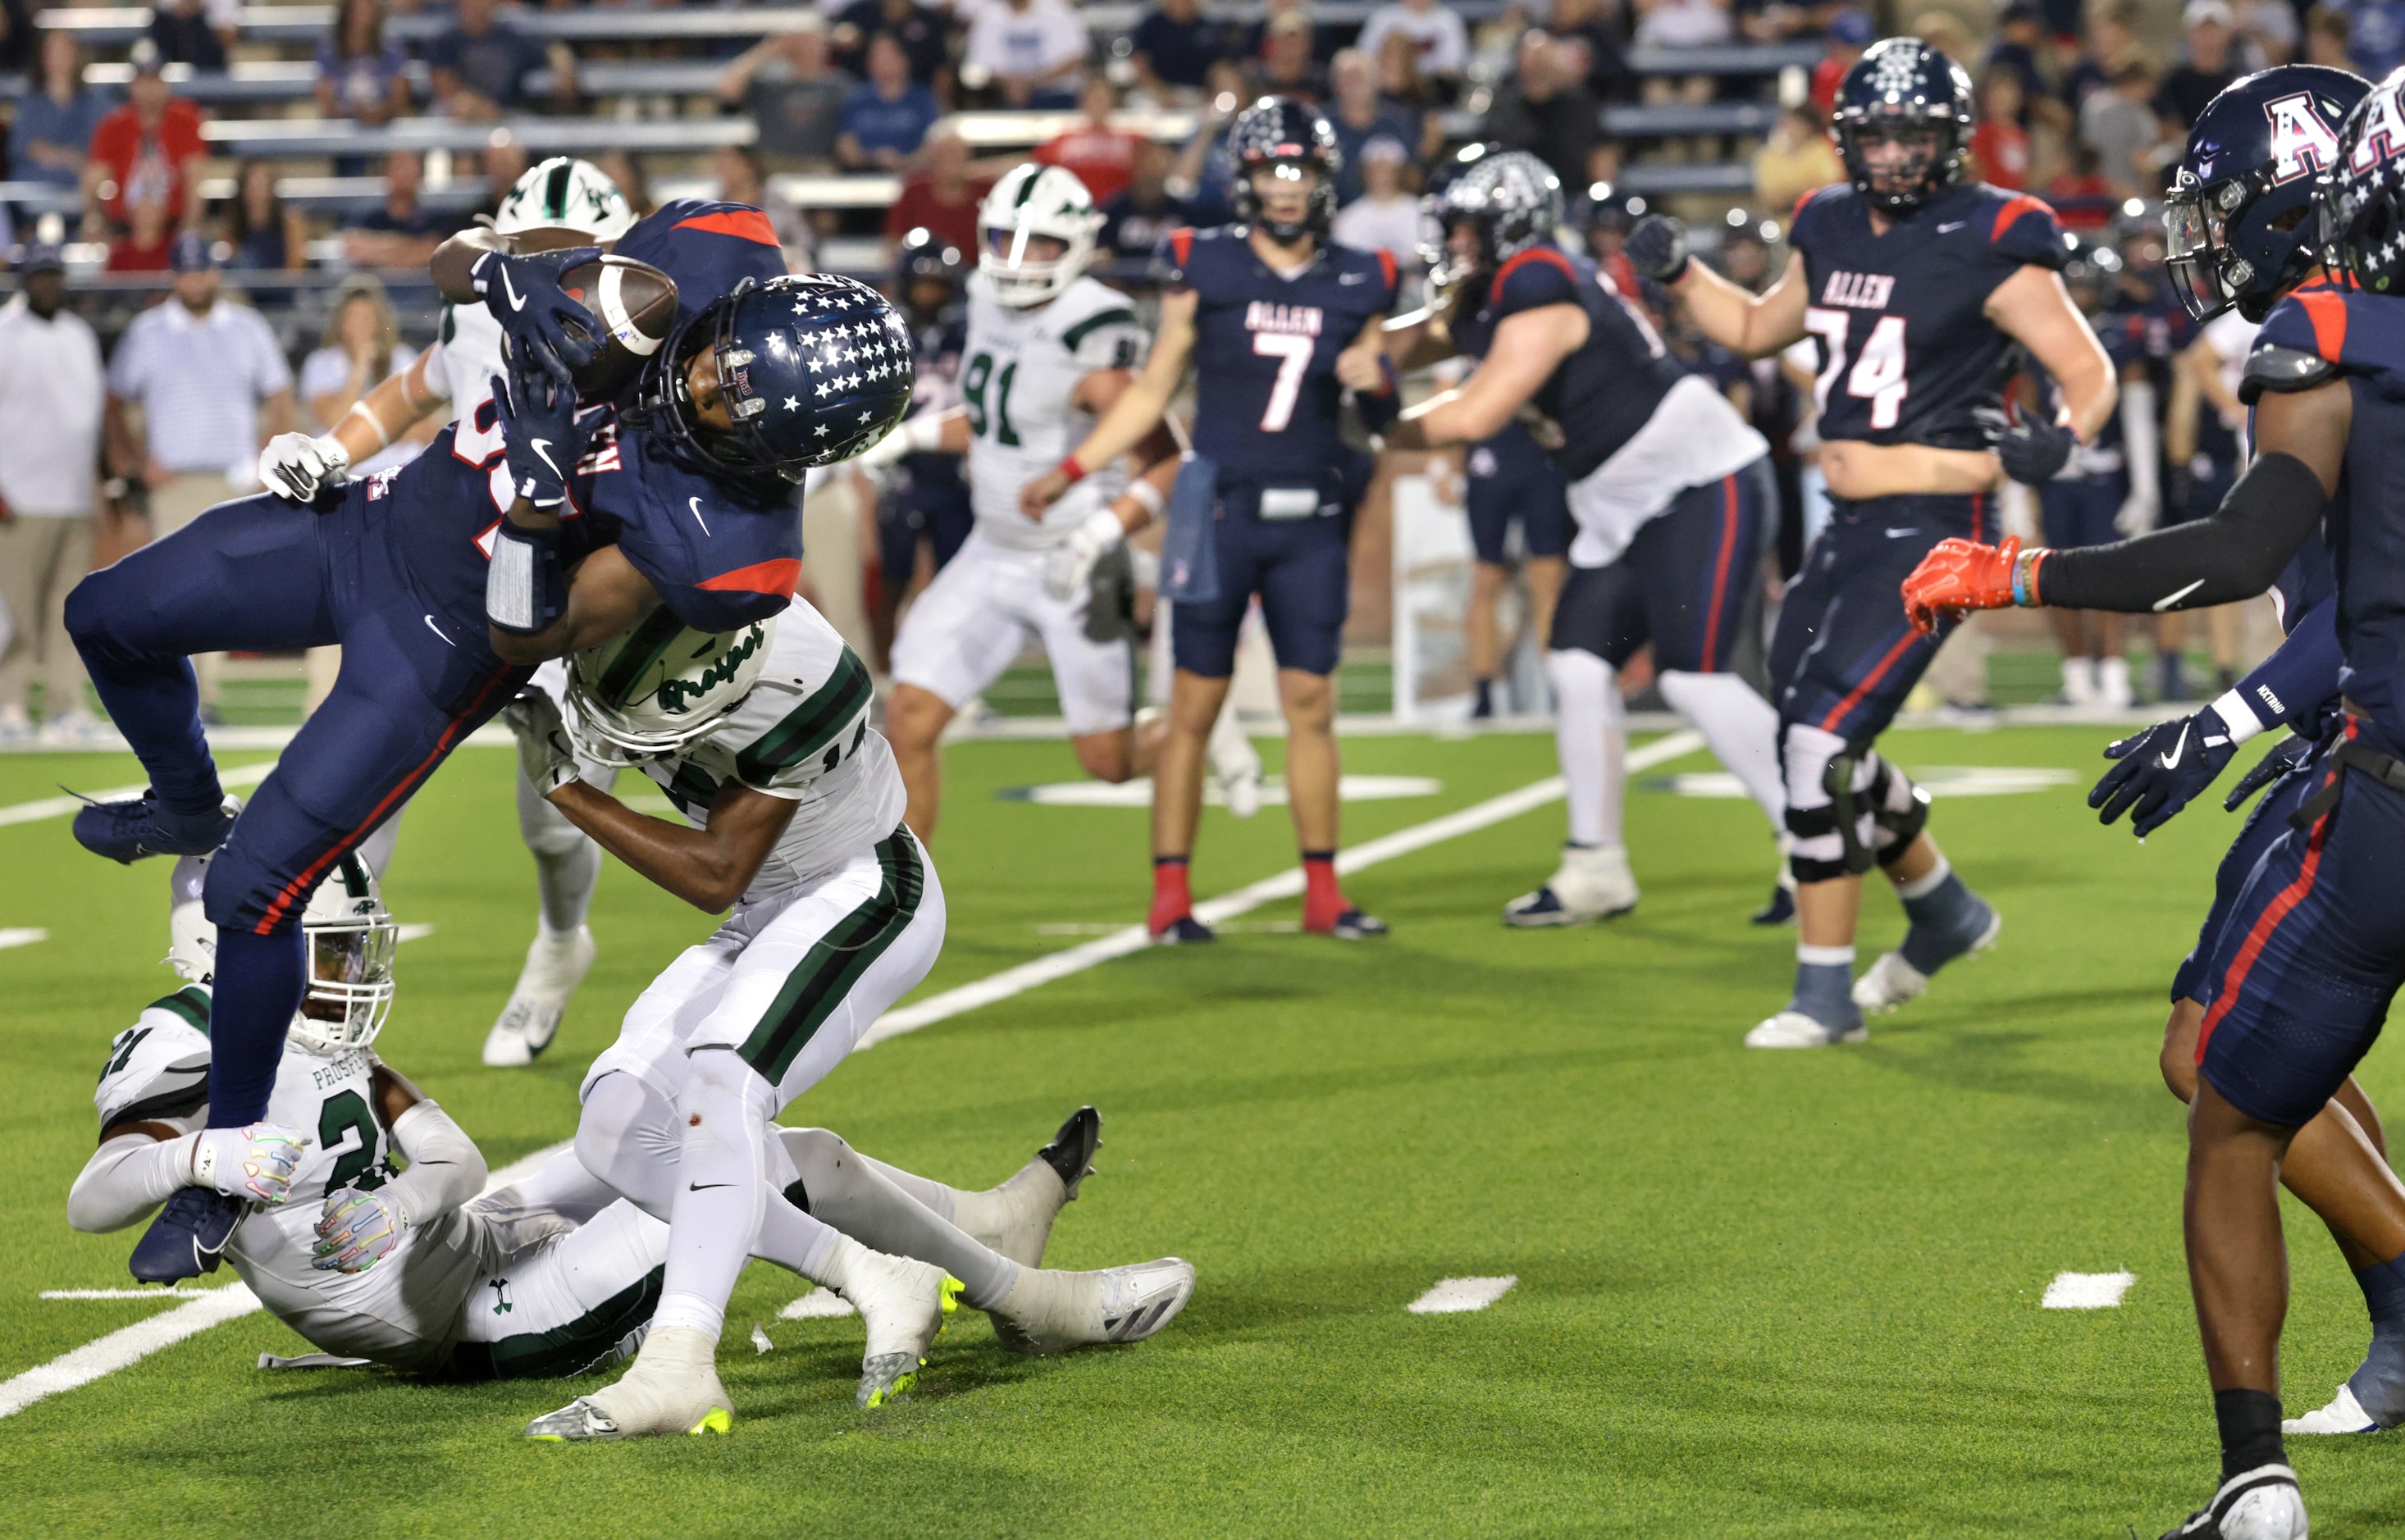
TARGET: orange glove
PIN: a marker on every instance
(1963, 575)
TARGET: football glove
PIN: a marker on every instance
(297, 468)
(1957, 576)
(545, 752)
(356, 1231)
(2290, 752)
(257, 1162)
(1658, 248)
(2139, 514)
(536, 314)
(2159, 771)
(540, 434)
(1070, 566)
(2032, 450)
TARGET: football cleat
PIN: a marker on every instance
(128, 830)
(1351, 925)
(2263, 1504)
(1049, 1312)
(2344, 1414)
(555, 966)
(1780, 910)
(1185, 930)
(1033, 1197)
(1235, 765)
(1592, 882)
(187, 1238)
(903, 1304)
(673, 1388)
(1891, 982)
(1795, 1029)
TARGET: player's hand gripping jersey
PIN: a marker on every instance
(1022, 367)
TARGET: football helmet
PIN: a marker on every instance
(350, 939)
(1281, 131)
(1512, 200)
(659, 687)
(1902, 84)
(2363, 197)
(813, 368)
(2239, 226)
(566, 193)
(1036, 201)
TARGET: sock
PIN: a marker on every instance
(1824, 985)
(1172, 899)
(156, 703)
(2174, 686)
(2379, 1384)
(2384, 1297)
(1484, 703)
(1322, 899)
(1945, 916)
(853, 1196)
(949, 1204)
(567, 883)
(2113, 680)
(2249, 1422)
(1591, 740)
(715, 1216)
(1741, 728)
(376, 849)
(260, 982)
(2079, 680)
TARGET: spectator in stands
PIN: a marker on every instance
(2329, 39)
(1440, 42)
(2203, 71)
(886, 117)
(2082, 199)
(742, 179)
(1851, 31)
(624, 169)
(1796, 159)
(794, 92)
(2375, 35)
(1204, 164)
(1596, 23)
(148, 242)
(2267, 33)
(2019, 36)
(1175, 46)
(1386, 216)
(1135, 221)
(20, 46)
(360, 349)
(144, 151)
(266, 235)
(923, 32)
(399, 232)
(2000, 145)
(213, 387)
(195, 32)
(1288, 67)
(1400, 80)
(361, 74)
(1673, 24)
(1032, 53)
(51, 136)
(51, 396)
(2111, 37)
(1359, 116)
(1546, 109)
(2121, 127)
(479, 64)
(941, 196)
(1102, 155)
(1257, 40)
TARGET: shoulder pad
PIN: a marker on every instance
(1815, 209)
(1171, 258)
(2273, 368)
(1537, 276)
(2024, 228)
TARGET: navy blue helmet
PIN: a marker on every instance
(2363, 197)
(1902, 90)
(812, 369)
(2238, 223)
(1280, 130)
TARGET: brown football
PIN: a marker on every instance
(637, 306)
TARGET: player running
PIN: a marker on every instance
(1669, 485)
(1265, 312)
(2306, 957)
(560, 202)
(1915, 286)
(448, 581)
(792, 812)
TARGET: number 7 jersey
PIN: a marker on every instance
(1907, 354)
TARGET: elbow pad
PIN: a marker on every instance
(525, 587)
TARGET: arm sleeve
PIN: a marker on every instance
(2235, 554)
(2294, 683)
(125, 1179)
(446, 1168)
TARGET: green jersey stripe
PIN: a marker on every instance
(837, 960)
(1076, 334)
(811, 726)
(192, 1002)
(646, 646)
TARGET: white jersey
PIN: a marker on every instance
(1019, 370)
(465, 354)
(803, 735)
(1695, 437)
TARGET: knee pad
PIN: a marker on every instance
(1899, 810)
(1814, 762)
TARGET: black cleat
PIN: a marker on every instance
(1185, 930)
(1071, 1154)
(1780, 910)
(138, 827)
(187, 1238)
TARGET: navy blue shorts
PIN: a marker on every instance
(1690, 582)
(2265, 823)
(260, 574)
(2311, 953)
(1844, 657)
(2202, 488)
(1511, 478)
(2074, 513)
(940, 515)
(1300, 567)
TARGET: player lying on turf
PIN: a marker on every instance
(1668, 484)
(2309, 950)
(792, 812)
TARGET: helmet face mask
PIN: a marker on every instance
(1903, 122)
(1036, 234)
(351, 939)
(1502, 203)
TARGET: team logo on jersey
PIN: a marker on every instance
(601, 453)
(501, 1305)
(2383, 131)
(1293, 321)
(2302, 142)
(380, 485)
(1858, 291)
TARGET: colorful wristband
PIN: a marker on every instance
(1071, 468)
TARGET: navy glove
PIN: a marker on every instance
(540, 437)
(536, 314)
(2289, 753)
(2032, 450)
(2159, 771)
(1658, 248)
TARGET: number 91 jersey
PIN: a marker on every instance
(1020, 373)
(1908, 353)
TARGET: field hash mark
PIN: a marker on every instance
(1455, 1296)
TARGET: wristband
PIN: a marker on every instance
(1071, 468)
(2025, 577)
(1146, 496)
(526, 586)
(2236, 715)
(1386, 370)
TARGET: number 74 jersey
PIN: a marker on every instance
(1906, 352)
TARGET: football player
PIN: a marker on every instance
(455, 376)
(2295, 974)
(1915, 286)
(1669, 486)
(1261, 312)
(448, 581)
(924, 502)
(793, 811)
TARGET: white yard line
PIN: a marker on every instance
(59, 808)
(21, 935)
(1457, 1295)
(2087, 1291)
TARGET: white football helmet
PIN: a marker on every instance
(1036, 201)
(565, 194)
(350, 939)
(659, 687)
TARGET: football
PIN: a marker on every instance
(637, 306)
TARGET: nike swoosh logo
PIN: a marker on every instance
(543, 447)
(2170, 761)
(438, 631)
(508, 292)
(1942, 229)
(705, 1186)
(695, 505)
(2170, 599)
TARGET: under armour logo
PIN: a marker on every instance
(501, 1305)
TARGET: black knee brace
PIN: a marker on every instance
(1899, 809)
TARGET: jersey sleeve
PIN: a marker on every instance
(1535, 277)
(718, 562)
(792, 730)
(1113, 337)
(158, 1069)
(1173, 259)
(2023, 232)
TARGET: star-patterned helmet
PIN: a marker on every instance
(2363, 196)
(1903, 91)
(812, 369)
(2239, 226)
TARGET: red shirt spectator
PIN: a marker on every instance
(1102, 157)
(2002, 151)
(145, 148)
(1850, 31)
(2083, 199)
(942, 197)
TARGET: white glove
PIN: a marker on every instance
(2139, 513)
(545, 751)
(296, 467)
(1070, 564)
(257, 1162)
(356, 1231)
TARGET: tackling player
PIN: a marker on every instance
(1269, 314)
(448, 581)
(1668, 484)
(2301, 966)
(1915, 287)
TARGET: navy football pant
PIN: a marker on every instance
(942, 518)
(2266, 821)
(1510, 480)
(1298, 567)
(1690, 582)
(2073, 514)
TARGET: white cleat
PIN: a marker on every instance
(1795, 1029)
(1891, 982)
(1053, 1312)
(672, 1388)
(1235, 765)
(555, 966)
(2344, 1414)
(903, 1304)
(2262, 1503)
(1592, 882)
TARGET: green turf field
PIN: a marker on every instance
(1758, 1294)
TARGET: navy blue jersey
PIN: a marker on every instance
(1265, 348)
(718, 558)
(1908, 353)
(1606, 390)
(2102, 460)
(937, 345)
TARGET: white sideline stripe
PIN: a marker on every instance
(1285, 884)
(202, 1309)
(21, 937)
(1455, 1296)
(2087, 1291)
(59, 808)
(412, 933)
(816, 1304)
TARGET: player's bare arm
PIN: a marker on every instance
(1528, 347)
(1750, 325)
(2034, 309)
(1136, 413)
(708, 867)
